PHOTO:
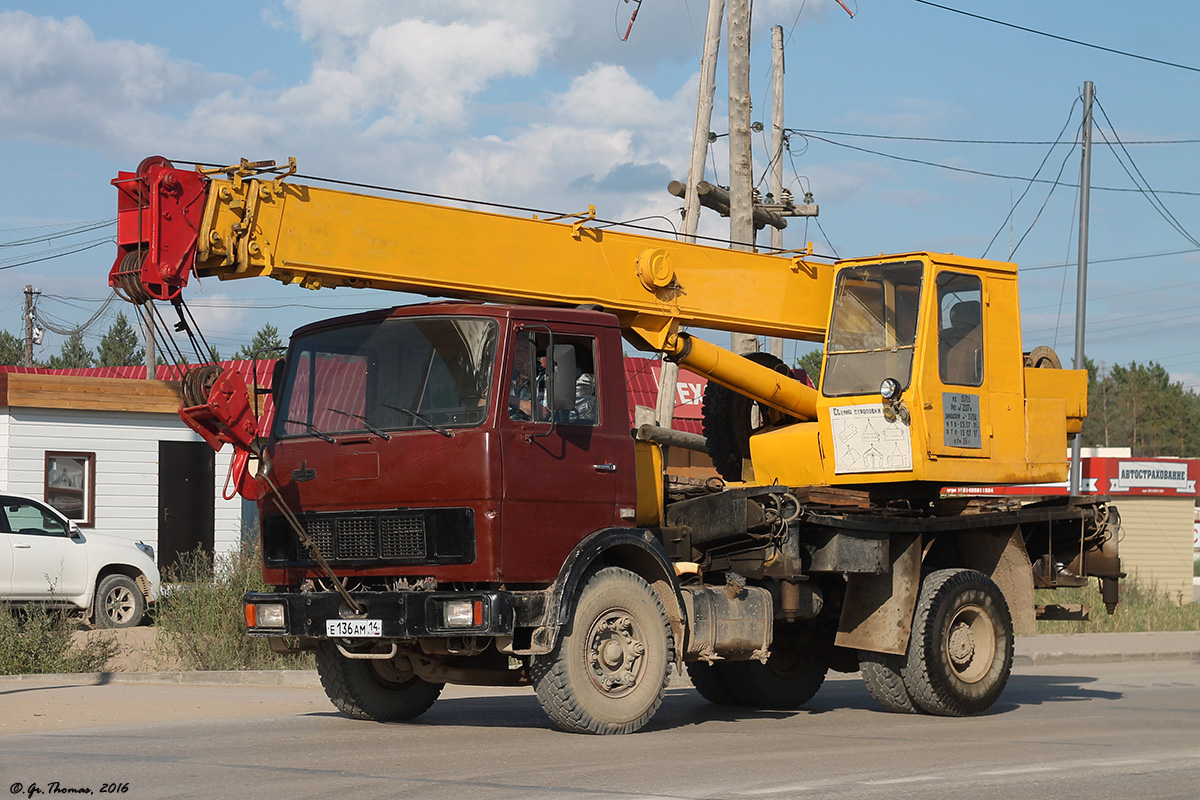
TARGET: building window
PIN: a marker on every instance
(71, 486)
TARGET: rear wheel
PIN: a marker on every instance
(383, 690)
(610, 670)
(709, 680)
(881, 673)
(788, 680)
(119, 602)
(961, 651)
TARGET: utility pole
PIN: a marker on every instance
(741, 179)
(1085, 185)
(775, 346)
(30, 293)
(668, 377)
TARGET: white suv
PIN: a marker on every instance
(44, 557)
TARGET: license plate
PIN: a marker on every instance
(354, 628)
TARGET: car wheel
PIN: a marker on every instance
(119, 602)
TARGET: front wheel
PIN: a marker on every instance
(961, 651)
(610, 670)
(383, 690)
(119, 602)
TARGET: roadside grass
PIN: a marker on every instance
(201, 625)
(36, 639)
(1141, 608)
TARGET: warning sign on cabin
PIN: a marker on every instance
(864, 440)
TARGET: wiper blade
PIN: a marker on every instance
(387, 437)
(320, 434)
(443, 431)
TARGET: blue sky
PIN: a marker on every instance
(537, 103)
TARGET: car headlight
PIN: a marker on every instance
(462, 613)
(265, 615)
(145, 548)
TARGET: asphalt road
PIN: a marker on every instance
(1104, 730)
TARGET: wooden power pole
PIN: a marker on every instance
(741, 179)
(30, 292)
(776, 342)
(668, 377)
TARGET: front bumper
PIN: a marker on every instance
(403, 615)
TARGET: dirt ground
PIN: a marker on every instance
(139, 649)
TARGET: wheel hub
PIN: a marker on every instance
(970, 643)
(615, 653)
(962, 645)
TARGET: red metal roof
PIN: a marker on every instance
(641, 380)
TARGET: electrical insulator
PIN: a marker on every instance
(756, 196)
(786, 197)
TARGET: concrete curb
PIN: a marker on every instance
(294, 679)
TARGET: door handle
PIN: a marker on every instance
(605, 467)
(23, 546)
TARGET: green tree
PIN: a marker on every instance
(72, 354)
(119, 346)
(1138, 406)
(267, 337)
(811, 363)
(12, 350)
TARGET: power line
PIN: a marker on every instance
(1116, 259)
(57, 254)
(974, 141)
(90, 226)
(982, 173)
(1059, 38)
(1148, 192)
(1013, 207)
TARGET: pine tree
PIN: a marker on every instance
(119, 347)
(72, 354)
(266, 338)
(12, 351)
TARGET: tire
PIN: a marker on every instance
(709, 680)
(961, 651)
(727, 425)
(373, 689)
(881, 673)
(788, 680)
(119, 602)
(610, 670)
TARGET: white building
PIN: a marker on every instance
(113, 454)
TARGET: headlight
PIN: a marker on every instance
(145, 548)
(265, 615)
(462, 613)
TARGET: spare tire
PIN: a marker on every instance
(727, 420)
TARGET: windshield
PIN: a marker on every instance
(874, 328)
(394, 374)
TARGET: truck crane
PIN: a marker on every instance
(450, 492)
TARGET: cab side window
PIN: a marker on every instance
(24, 518)
(528, 380)
(960, 329)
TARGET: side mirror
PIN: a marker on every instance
(561, 392)
(73, 530)
(277, 377)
